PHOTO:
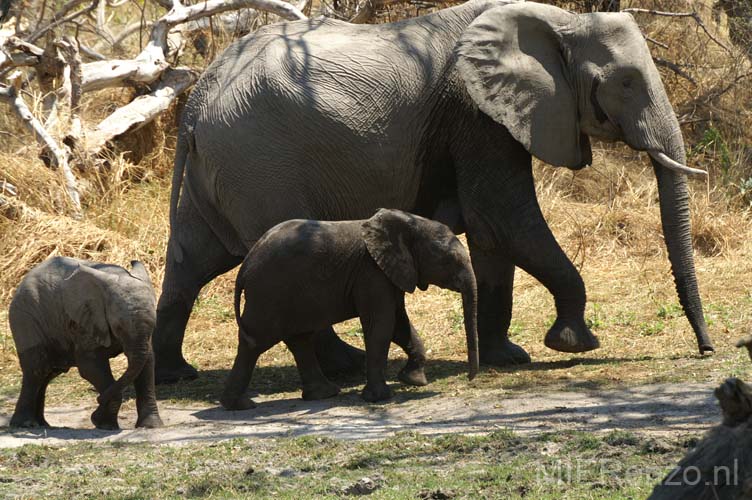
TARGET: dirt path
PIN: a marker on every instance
(653, 409)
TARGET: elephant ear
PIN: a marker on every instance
(138, 271)
(84, 293)
(387, 237)
(515, 67)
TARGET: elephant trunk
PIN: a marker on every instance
(674, 203)
(137, 358)
(469, 292)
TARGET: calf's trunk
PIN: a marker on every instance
(469, 293)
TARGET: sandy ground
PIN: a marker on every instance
(664, 409)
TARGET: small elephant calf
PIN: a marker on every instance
(70, 312)
(305, 275)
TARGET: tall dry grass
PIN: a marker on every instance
(606, 209)
(606, 216)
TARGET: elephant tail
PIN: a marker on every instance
(181, 157)
(239, 289)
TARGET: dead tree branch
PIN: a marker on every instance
(675, 68)
(656, 42)
(61, 17)
(70, 50)
(14, 53)
(140, 111)
(151, 62)
(694, 15)
(59, 158)
(63, 78)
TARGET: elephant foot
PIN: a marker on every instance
(337, 357)
(151, 421)
(237, 404)
(568, 336)
(104, 421)
(320, 391)
(503, 353)
(174, 372)
(412, 375)
(27, 422)
(376, 393)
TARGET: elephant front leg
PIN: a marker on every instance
(502, 217)
(532, 247)
(377, 330)
(234, 396)
(405, 336)
(146, 398)
(96, 370)
(495, 277)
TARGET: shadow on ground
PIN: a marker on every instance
(268, 380)
(659, 409)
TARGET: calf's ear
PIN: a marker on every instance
(388, 238)
(138, 271)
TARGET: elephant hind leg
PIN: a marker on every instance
(407, 338)
(234, 396)
(336, 356)
(195, 256)
(315, 383)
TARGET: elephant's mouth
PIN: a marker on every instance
(423, 286)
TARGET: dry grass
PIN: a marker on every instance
(617, 245)
(606, 218)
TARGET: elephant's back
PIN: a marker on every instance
(280, 62)
(298, 275)
(314, 119)
(300, 245)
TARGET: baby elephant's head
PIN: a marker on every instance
(414, 251)
(110, 301)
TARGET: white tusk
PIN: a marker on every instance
(675, 165)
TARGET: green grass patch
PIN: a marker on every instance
(569, 465)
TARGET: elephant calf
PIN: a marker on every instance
(70, 312)
(305, 275)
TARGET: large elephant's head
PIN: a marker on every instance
(554, 78)
(103, 304)
(414, 251)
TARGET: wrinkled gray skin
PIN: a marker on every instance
(438, 115)
(305, 275)
(70, 312)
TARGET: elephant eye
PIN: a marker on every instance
(627, 83)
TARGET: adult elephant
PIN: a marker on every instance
(437, 115)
